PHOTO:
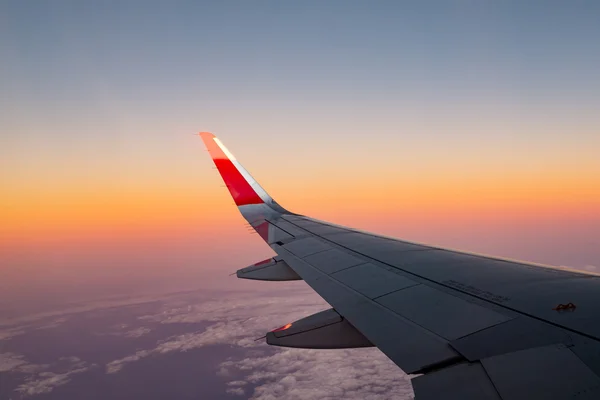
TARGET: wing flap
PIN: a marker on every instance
(459, 382)
(445, 315)
(333, 260)
(289, 228)
(372, 281)
(306, 247)
(550, 372)
(516, 334)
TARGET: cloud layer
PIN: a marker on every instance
(233, 319)
(297, 374)
(39, 379)
(286, 373)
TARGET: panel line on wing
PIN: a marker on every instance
(394, 291)
(375, 321)
(342, 269)
(458, 290)
(278, 227)
(329, 278)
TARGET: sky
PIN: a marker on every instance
(472, 125)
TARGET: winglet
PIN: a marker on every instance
(243, 187)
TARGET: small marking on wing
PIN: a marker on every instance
(565, 307)
(484, 294)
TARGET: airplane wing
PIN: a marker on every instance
(468, 326)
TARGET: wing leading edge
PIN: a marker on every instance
(473, 327)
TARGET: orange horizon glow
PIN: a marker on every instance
(65, 216)
(60, 215)
(70, 206)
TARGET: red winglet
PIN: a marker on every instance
(240, 189)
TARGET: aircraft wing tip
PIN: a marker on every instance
(206, 135)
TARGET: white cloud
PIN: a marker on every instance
(236, 391)
(31, 368)
(10, 361)
(11, 332)
(294, 374)
(119, 330)
(136, 333)
(53, 324)
(237, 320)
(117, 365)
(237, 383)
(298, 374)
(45, 381)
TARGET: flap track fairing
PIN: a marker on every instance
(323, 330)
(271, 269)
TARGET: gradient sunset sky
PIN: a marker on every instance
(467, 124)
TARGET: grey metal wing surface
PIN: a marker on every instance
(466, 326)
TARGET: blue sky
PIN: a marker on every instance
(98, 76)
(196, 56)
